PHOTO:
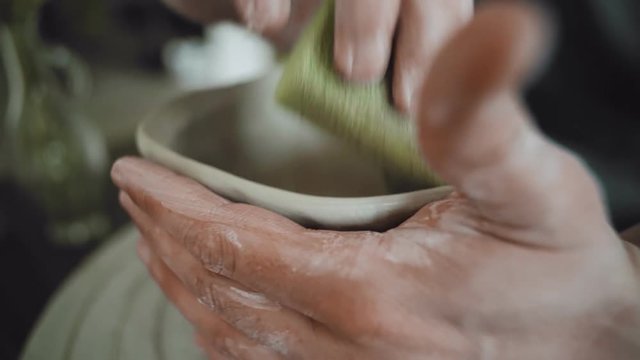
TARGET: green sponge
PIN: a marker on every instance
(361, 114)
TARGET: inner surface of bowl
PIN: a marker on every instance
(249, 136)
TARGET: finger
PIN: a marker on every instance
(221, 336)
(423, 28)
(363, 36)
(264, 16)
(477, 136)
(155, 189)
(301, 11)
(251, 313)
(259, 249)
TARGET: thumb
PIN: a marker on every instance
(476, 134)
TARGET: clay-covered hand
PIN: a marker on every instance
(366, 31)
(519, 263)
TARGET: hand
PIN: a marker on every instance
(364, 33)
(520, 263)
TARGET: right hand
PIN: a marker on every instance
(520, 264)
(364, 33)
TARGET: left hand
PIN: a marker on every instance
(366, 32)
(521, 264)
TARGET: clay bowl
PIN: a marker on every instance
(239, 143)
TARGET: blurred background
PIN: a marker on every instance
(76, 76)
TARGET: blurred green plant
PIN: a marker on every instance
(51, 149)
(18, 10)
(91, 17)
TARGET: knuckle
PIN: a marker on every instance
(214, 245)
(187, 236)
(205, 291)
(228, 254)
(219, 251)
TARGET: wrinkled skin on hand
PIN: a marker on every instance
(364, 33)
(519, 263)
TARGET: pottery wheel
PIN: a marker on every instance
(111, 309)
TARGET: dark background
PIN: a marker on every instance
(588, 99)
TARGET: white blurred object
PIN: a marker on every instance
(229, 54)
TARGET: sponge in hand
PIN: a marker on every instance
(361, 114)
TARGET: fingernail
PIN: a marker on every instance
(407, 97)
(122, 167)
(262, 16)
(369, 59)
(116, 172)
(127, 172)
(348, 61)
(343, 56)
(144, 252)
(407, 92)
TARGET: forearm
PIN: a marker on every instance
(204, 11)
